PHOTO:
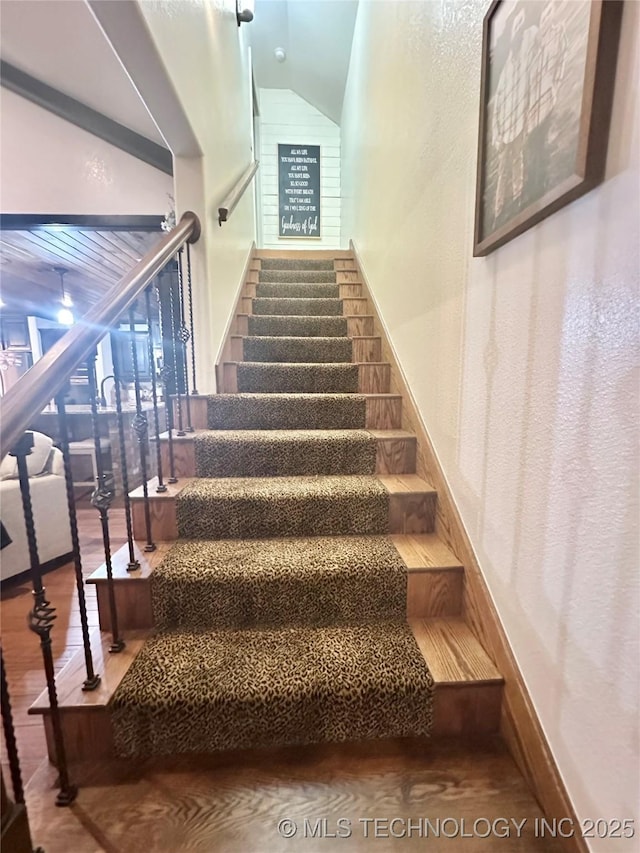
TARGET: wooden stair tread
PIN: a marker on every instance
(380, 434)
(173, 489)
(305, 254)
(111, 667)
(120, 560)
(452, 653)
(399, 484)
(425, 552)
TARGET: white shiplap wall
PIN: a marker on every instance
(287, 118)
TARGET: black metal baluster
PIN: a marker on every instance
(141, 429)
(191, 329)
(101, 499)
(184, 335)
(133, 563)
(165, 377)
(174, 350)
(10, 735)
(41, 619)
(154, 391)
(92, 680)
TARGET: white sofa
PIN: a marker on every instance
(49, 501)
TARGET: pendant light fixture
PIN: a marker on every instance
(65, 314)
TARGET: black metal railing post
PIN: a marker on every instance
(191, 329)
(101, 499)
(133, 564)
(41, 619)
(174, 349)
(154, 390)
(10, 735)
(141, 430)
(92, 680)
(166, 375)
(183, 336)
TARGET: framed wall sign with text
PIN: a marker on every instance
(299, 191)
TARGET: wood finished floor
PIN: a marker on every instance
(233, 803)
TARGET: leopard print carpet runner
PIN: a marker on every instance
(284, 453)
(280, 612)
(278, 582)
(300, 349)
(286, 411)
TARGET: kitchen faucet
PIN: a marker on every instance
(103, 400)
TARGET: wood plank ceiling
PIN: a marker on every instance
(94, 260)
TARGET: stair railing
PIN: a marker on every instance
(229, 204)
(124, 316)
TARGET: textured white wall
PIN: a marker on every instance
(51, 166)
(288, 119)
(207, 58)
(522, 365)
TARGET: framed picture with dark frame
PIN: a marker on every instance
(548, 73)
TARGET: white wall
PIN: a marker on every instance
(522, 365)
(206, 56)
(51, 166)
(288, 119)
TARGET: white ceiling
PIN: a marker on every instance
(60, 43)
(316, 36)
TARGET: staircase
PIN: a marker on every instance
(299, 593)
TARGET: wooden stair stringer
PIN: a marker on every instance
(519, 723)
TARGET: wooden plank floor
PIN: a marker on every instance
(21, 648)
(234, 802)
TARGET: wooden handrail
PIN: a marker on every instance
(228, 205)
(28, 397)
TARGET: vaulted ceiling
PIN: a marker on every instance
(316, 36)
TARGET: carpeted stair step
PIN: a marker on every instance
(298, 326)
(292, 291)
(202, 585)
(297, 306)
(200, 692)
(286, 411)
(265, 507)
(295, 264)
(311, 378)
(297, 276)
(284, 453)
(297, 349)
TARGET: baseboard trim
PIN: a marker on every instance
(519, 724)
(224, 351)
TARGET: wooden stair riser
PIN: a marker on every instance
(133, 604)
(164, 525)
(382, 411)
(409, 512)
(393, 456)
(374, 378)
(355, 305)
(365, 348)
(430, 594)
(357, 326)
(347, 290)
(459, 711)
(434, 592)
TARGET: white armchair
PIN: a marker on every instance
(49, 501)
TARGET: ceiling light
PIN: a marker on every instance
(65, 317)
(280, 54)
(244, 11)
